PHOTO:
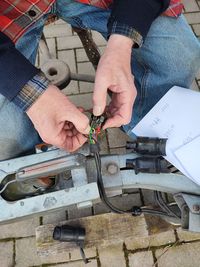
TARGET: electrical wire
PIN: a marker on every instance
(6, 185)
(159, 199)
(110, 205)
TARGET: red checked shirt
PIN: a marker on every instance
(17, 16)
(20, 81)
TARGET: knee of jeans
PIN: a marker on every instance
(17, 140)
(9, 148)
(185, 65)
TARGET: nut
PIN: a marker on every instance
(112, 168)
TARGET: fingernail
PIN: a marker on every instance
(97, 111)
(87, 130)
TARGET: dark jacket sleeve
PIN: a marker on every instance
(137, 14)
(15, 69)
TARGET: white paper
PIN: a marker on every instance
(176, 117)
(189, 157)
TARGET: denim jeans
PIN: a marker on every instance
(169, 56)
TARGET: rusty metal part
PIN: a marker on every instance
(89, 45)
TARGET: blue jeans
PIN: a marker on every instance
(170, 56)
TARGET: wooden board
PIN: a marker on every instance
(101, 230)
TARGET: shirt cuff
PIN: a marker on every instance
(31, 91)
(126, 30)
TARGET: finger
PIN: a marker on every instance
(79, 120)
(81, 109)
(75, 142)
(68, 126)
(99, 96)
(69, 133)
(115, 121)
(121, 117)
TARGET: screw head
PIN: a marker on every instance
(196, 207)
(112, 168)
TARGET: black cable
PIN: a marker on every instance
(159, 199)
(110, 205)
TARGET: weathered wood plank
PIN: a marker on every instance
(101, 231)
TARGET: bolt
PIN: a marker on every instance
(112, 168)
(196, 207)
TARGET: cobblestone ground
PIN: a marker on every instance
(172, 248)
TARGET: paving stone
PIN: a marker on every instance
(141, 259)
(86, 87)
(198, 75)
(195, 86)
(6, 254)
(81, 55)
(102, 49)
(71, 88)
(86, 68)
(51, 43)
(84, 100)
(26, 254)
(191, 6)
(54, 217)
(112, 256)
(37, 60)
(98, 38)
(187, 236)
(59, 21)
(89, 253)
(92, 263)
(70, 42)
(186, 255)
(57, 30)
(19, 229)
(149, 241)
(193, 18)
(117, 138)
(68, 56)
(196, 28)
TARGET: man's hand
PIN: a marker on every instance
(58, 121)
(114, 73)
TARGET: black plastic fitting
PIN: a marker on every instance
(148, 146)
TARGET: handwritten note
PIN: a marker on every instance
(176, 117)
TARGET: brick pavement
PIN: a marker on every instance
(173, 248)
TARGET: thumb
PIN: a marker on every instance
(80, 121)
(99, 97)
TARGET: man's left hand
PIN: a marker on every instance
(114, 74)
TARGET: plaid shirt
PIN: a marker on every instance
(17, 16)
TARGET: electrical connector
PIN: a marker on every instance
(148, 165)
(94, 148)
(148, 146)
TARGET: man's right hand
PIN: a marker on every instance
(58, 121)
